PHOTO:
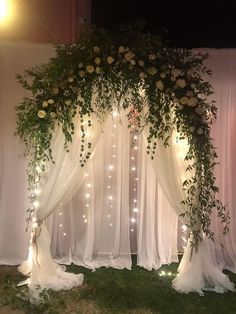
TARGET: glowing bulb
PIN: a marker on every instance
(135, 137)
(89, 185)
(108, 186)
(61, 225)
(109, 216)
(36, 204)
(38, 169)
(87, 195)
(112, 135)
(135, 147)
(169, 273)
(114, 146)
(133, 168)
(136, 179)
(64, 233)
(135, 210)
(114, 126)
(85, 221)
(114, 156)
(84, 216)
(132, 158)
(114, 114)
(111, 167)
(87, 205)
(111, 206)
(133, 220)
(37, 191)
(110, 197)
(110, 224)
(135, 201)
(184, 227)
(132, 230)
(86, 174)
(109, 177)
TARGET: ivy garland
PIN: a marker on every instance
(160, 87)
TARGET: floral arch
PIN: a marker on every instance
(162, 91)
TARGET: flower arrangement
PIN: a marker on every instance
(162, 87)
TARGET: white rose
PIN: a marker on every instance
(152, 56)
(96, 49)
(183, 100)
(141, 63)
(68, 102)
(70, 79)
(152, 70)
(192, 102)
(163, 75)
(53, 114)
(133, 62)
(97, 61)
(129, 55)
(181, 83)
(199, 110)
(175, 72)
(142, 75)
(90, 68)
(80, 65)
(110, 59)
(159, 85)
(81, 73)
(200, 131)
(192, 129)
(45, 104)
(51, 101)
(121, 49)
(98, 70)
(41, 114)
(181, 107)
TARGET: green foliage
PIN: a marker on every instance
(161, 87)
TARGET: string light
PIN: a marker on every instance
(89, 185)
(133, 220)
(111, 167)
(135, 210)
(61, 225)
(64, 233)
(133, 168)
(87, 195)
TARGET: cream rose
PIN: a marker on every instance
(152, 57)
(68, 102)
(51, 101)
(97, 61)
(121, 49)
(159, 85)
(98, 70)
(53, 114)
(90, 68)
(163, 75)
(70, 79)
(96, 49)
(183, 100)
(81, 73)
(142, 75)
(80, 65)
(152, 70)
(129, 55)
(175, 72)
(192, 102)
(110, 59)
(133, 62)
(181, 83)
(200, 131)
(141, 63)
(45, 104)
(41, 114)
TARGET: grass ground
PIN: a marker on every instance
(115, 291)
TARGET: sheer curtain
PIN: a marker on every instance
(223, 65)
(197, 270)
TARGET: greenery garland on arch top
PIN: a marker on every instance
(118, 65)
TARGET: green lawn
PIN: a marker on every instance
(116, 291)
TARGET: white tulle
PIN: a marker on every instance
(198, 272)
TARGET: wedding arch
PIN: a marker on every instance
(163, 95)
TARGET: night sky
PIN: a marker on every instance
(189, 23)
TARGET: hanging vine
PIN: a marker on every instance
(137, 71)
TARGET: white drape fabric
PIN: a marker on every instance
(58, 184)
(197, 269)
(157, 222)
